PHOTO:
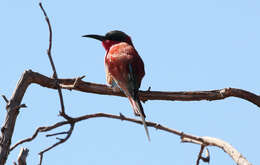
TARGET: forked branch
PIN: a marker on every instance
(203, 141)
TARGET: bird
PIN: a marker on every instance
(124, 68)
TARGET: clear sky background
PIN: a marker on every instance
(186, 45)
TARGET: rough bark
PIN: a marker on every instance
(12, 108)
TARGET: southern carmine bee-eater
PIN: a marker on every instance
(124, 67)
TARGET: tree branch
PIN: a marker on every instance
(22, 156)
(203, 141)
(200, 154)
(5, 99)
(58, 143)
(89, 87)
(29, 77)
(55, 75)
(11, 115)
(230, 150)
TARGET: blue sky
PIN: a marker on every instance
(186, 45)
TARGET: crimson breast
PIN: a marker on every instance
(118, 59)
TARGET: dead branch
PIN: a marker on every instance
(200, 154)
(29, 77)
(230, 150)
(89, 87)
(5, 99)
(58, 143)
(22, 156)
(40, 129)
(11, 115)
(203, 141)
(59, 133)
(55, 75)
(205, 158)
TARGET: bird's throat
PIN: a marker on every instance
(107, 44)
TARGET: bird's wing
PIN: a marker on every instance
(127, 70)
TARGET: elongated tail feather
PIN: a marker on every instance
(138, 110)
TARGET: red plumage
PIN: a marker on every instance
(124, 67)
(117, 61)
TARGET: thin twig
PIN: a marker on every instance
(200, 154)
(99, 115)
(58, 143)
(22, 156)
(74, 85)
(59, 133)
(41, 156)
(20, 106)
(39, 129)
(55, 75)
(57, 84)
(5, 99)
(206, 159)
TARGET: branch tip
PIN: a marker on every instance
(23, 106)
(200, 154)
(55, 134)
(206, 159)
(5, 99)
(121, 116)
(22, 156)
(60, 139)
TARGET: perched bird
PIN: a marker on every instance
(124, 68)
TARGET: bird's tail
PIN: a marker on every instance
(138, 110)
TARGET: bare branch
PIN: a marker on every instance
(70, 87)
(50, 40)
(22, 156)
(207, 156)
(55, 75)
(59, 133)
(58, 143)
(20, 106)
(200, 154)
(30, 77)
(40, 129)
(230, 150)
(89, 87)
(5, 99)
(11, 115)
(205, 141)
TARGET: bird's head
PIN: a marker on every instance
(111, 38)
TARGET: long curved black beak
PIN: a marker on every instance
(97, 37)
